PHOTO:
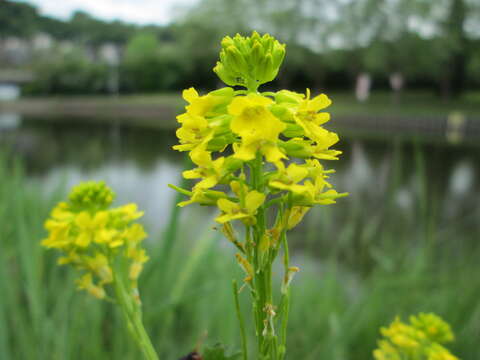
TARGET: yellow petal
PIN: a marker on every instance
(245, 152)
(253, 201)
(83, 220)
(320, 102)
(296, 173)
(83, 240)
(190, 94)
(227, 206)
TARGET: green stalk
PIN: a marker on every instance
(240, 320)
(132, 314)
(285, 299)
(262, 282)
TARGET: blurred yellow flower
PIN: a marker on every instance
(91, 235)
(414, 341)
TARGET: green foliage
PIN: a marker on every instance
(150, 66)
(381, 263)
(69, 73)
(431, 48)
(17, 19)
(217, 352)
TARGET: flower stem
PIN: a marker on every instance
(132, 314)
(262, 283)
(240, 320)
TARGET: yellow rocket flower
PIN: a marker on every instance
(210, 171)
(289, 179)
(295, 216)
(203, 197)
(91, 235)
(257, 126)
(253, 119)
(207, 104)
(234, 211)
(194, 131)
(88, 226)
(139, 257)
(413, 341)
(86, 283)
(100, 266)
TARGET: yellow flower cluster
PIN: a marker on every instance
(422, 339)
(101, 241)
(227, 131)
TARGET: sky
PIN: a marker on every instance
(132, 11)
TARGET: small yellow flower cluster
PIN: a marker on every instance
(230, 134)
(96, 239)
(422, 339)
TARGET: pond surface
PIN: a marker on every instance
(139, 163)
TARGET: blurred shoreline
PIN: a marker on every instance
(415, 117)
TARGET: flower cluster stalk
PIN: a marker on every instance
(131, 310)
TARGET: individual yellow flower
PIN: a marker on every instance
(210, 171)
(248, 149)
(257, 126)
(234, 211)
(289, 179)
(295, 216)
(207, 104)
(139, 257)
(100, 266)
(125, 214)
(86, 283)
(193, 132)
(308, 117)
(324, 139)
(134, 234)
(89, 227)
(203, 197)
(252, 119)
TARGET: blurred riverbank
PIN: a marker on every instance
(415, 114)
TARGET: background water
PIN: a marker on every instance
(139, 162)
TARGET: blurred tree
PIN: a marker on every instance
(150, 65)
(17, 19)
(456, 44)
(67, 72)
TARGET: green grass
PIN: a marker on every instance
(360, 267)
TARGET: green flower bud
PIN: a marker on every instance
(297, 148)
(91, 195)
(249, 61)
(224, 75)
(293, 130)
